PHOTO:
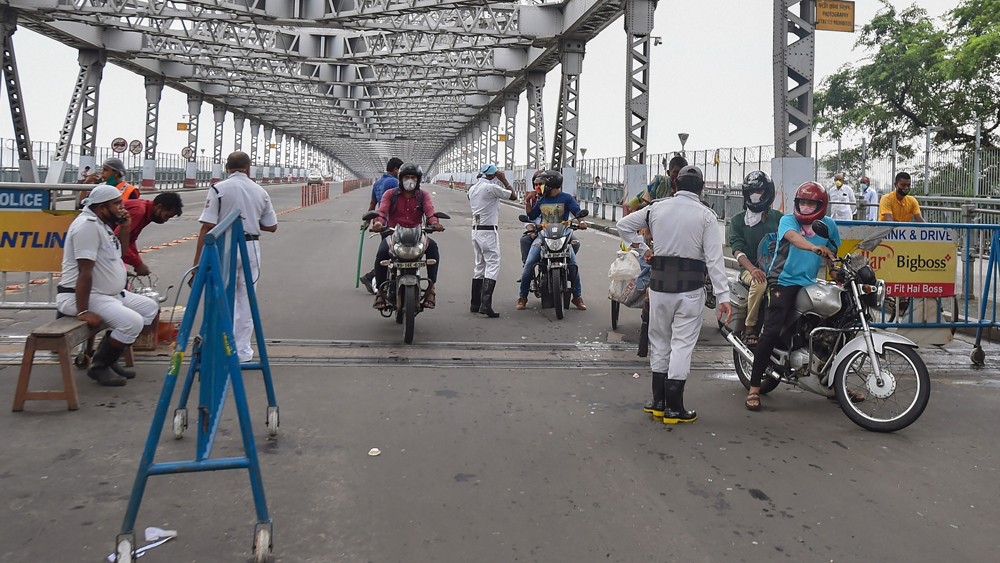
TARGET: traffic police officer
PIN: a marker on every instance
(687, 243)
(238, 191)
(92, 286)
(484, 197)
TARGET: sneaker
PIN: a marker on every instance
(368, 281)
(578, 301)
(522, 302)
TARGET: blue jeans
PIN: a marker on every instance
(526, 241)
(534, 255)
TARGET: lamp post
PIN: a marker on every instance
(684, 138)
(927, 159)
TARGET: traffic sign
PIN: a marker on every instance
(119, 145)
(187, 152)
(135, 147)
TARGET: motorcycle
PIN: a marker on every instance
(405, 287)
(550, 279)
(828, 347)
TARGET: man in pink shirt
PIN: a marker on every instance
(406, 206)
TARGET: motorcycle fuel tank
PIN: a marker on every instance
(819, 299)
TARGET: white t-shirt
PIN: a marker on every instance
(484, 198)
(239, 192)
(842, 203)
(597, 189)
(89, 238)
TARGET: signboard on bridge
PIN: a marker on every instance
(33, 241)
(913, 261)
(33, 200)
(187, 152)
(835, 16)
(119, 145)
(135, 147)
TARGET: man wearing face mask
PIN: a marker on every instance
(842, 200)
(899, 205)
(406, 205)
(746, 230)
(92, 286)
(871, 199)
(484, 198)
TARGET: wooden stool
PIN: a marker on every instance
(61, 336)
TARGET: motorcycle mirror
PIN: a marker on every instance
(821, 228)
(872, 241)
(442, 215)
(583, 213)
(370, 215)
(523, 218)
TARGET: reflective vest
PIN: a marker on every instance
(128, 190)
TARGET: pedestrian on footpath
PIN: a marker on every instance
(870, 194)
(686, 245)
(388, 182)
(842, 200)
(597, 195)
(484, 198)
(159, 210)
(238, 191)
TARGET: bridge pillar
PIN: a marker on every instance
(194, 112)
(564, 141)
(219, 112)
(287, 139)
(239, 121)
(254, 134)
(484, 140)
(58, 164)
(494, 135)
(154, 91)
(536, 125)
(510, 113)
(638, 26)
(93, 61)
(267, 155)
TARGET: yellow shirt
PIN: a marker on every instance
(902, 211)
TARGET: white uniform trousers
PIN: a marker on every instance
(674, 326)
(126, 313)
(242, 318)
(486, 245)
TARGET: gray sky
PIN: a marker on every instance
(711, 78)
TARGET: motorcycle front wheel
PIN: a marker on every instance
(895, 404)
(743, 369)
(410, 312)
(556, 287)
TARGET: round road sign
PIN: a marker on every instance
(119, 145)
(135, 147)
(187, 152)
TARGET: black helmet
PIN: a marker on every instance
(553, 181)
(410, 169)
(754, 181)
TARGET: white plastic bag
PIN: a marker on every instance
(625, 267)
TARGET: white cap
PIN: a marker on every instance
(102, 194)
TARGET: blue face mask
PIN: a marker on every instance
(864, 186)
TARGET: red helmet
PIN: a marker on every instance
(815, 192)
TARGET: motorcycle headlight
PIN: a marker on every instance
(555, 244)
(409, 252)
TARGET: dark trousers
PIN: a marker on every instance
(780, 300)
(382, 272)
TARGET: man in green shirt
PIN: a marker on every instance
(662, 186)
(746, 230)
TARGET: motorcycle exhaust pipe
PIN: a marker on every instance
(736, 343)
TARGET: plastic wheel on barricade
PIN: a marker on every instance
(124, 549)
(272, 421)
(261, 544)
(180, 423)
(978, 356)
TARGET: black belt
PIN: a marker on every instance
(673, 274)
(250, 237)
(484, 228)
(61, 289)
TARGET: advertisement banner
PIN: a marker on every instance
(32, 241)
(913, 261)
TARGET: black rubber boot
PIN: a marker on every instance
(118, 368)
(477, 294)
(100, 365)
(674, 399)
(486, 306)
(644, 332)
(656, 406)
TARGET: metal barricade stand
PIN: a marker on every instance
(214, 357)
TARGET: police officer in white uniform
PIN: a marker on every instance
(92, 286)
(687, 243)
(484, 198)
(238, 191)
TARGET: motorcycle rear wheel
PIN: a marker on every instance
(743, 369)
(906, 388)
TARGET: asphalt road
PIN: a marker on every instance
(511, 439)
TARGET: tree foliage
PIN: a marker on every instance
(919, 73)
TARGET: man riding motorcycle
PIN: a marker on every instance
(406, 205)
(554, 205)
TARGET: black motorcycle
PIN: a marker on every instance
(405, 286)
(551, 279)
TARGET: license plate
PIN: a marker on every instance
(409, 265)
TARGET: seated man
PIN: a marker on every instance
(161, 209)
(558, 206)
(92, 286)
(406, 205)
(746, 231)
(797, 259)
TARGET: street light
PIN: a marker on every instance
(684, 138)
(927, 159)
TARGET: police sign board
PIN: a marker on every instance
(835, 16)
(913, 261)
(34, 200)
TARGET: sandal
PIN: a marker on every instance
(753, 402)
(429, 301)
(751, 338)
(380, 303)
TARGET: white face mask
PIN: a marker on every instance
(755, 198)
(409, 185)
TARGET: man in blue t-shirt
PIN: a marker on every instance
(554, 206)
(388, 182)
(799, 254)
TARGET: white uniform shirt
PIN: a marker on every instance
(681, 226)
(872, 199)
(239, 192)
(842, 203)
(89, 238)
(484, 197)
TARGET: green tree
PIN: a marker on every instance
(919, 73)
